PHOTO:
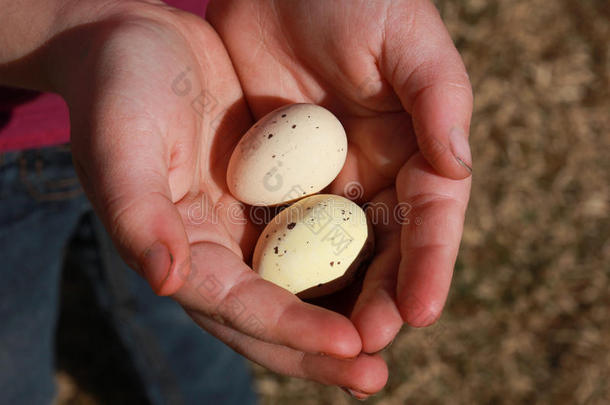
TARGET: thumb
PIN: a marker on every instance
(126, 179)
(427, 73)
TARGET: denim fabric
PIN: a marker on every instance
(42, 208)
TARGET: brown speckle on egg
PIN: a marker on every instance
(283, 115)
(291, 225)
(275, 250)
(332, 263)
(294, 126)
(269, 136)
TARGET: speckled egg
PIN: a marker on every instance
(315, 246)
(290, 153)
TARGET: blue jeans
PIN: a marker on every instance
(42, 207)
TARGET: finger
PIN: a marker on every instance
(366, 373)
(375, 313)
(430, 240)
(427, 73)
(222, 286)
(123, 170)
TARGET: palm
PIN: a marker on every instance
(152, 146)
(280, 57)
(177, 101)
(331, 53)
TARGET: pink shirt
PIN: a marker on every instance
(30, 120)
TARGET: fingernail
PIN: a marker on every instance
(360, 396)
(460, 148)
(156, 264)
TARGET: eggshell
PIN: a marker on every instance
(290, 153)
(315, 246)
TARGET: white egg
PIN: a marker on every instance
(315, 246)
(290, 153)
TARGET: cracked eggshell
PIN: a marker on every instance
(290, 153)
(315, 246)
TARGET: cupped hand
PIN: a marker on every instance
(390, 72)
(156, 109)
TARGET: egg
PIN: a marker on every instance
(315, 246)
(290, 153)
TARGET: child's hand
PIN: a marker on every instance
(156, 109)
(389, 70)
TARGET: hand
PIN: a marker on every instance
(156, 110)
(390, 72)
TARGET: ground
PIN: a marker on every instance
(528, 319)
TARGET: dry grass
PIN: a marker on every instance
(528, 318)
